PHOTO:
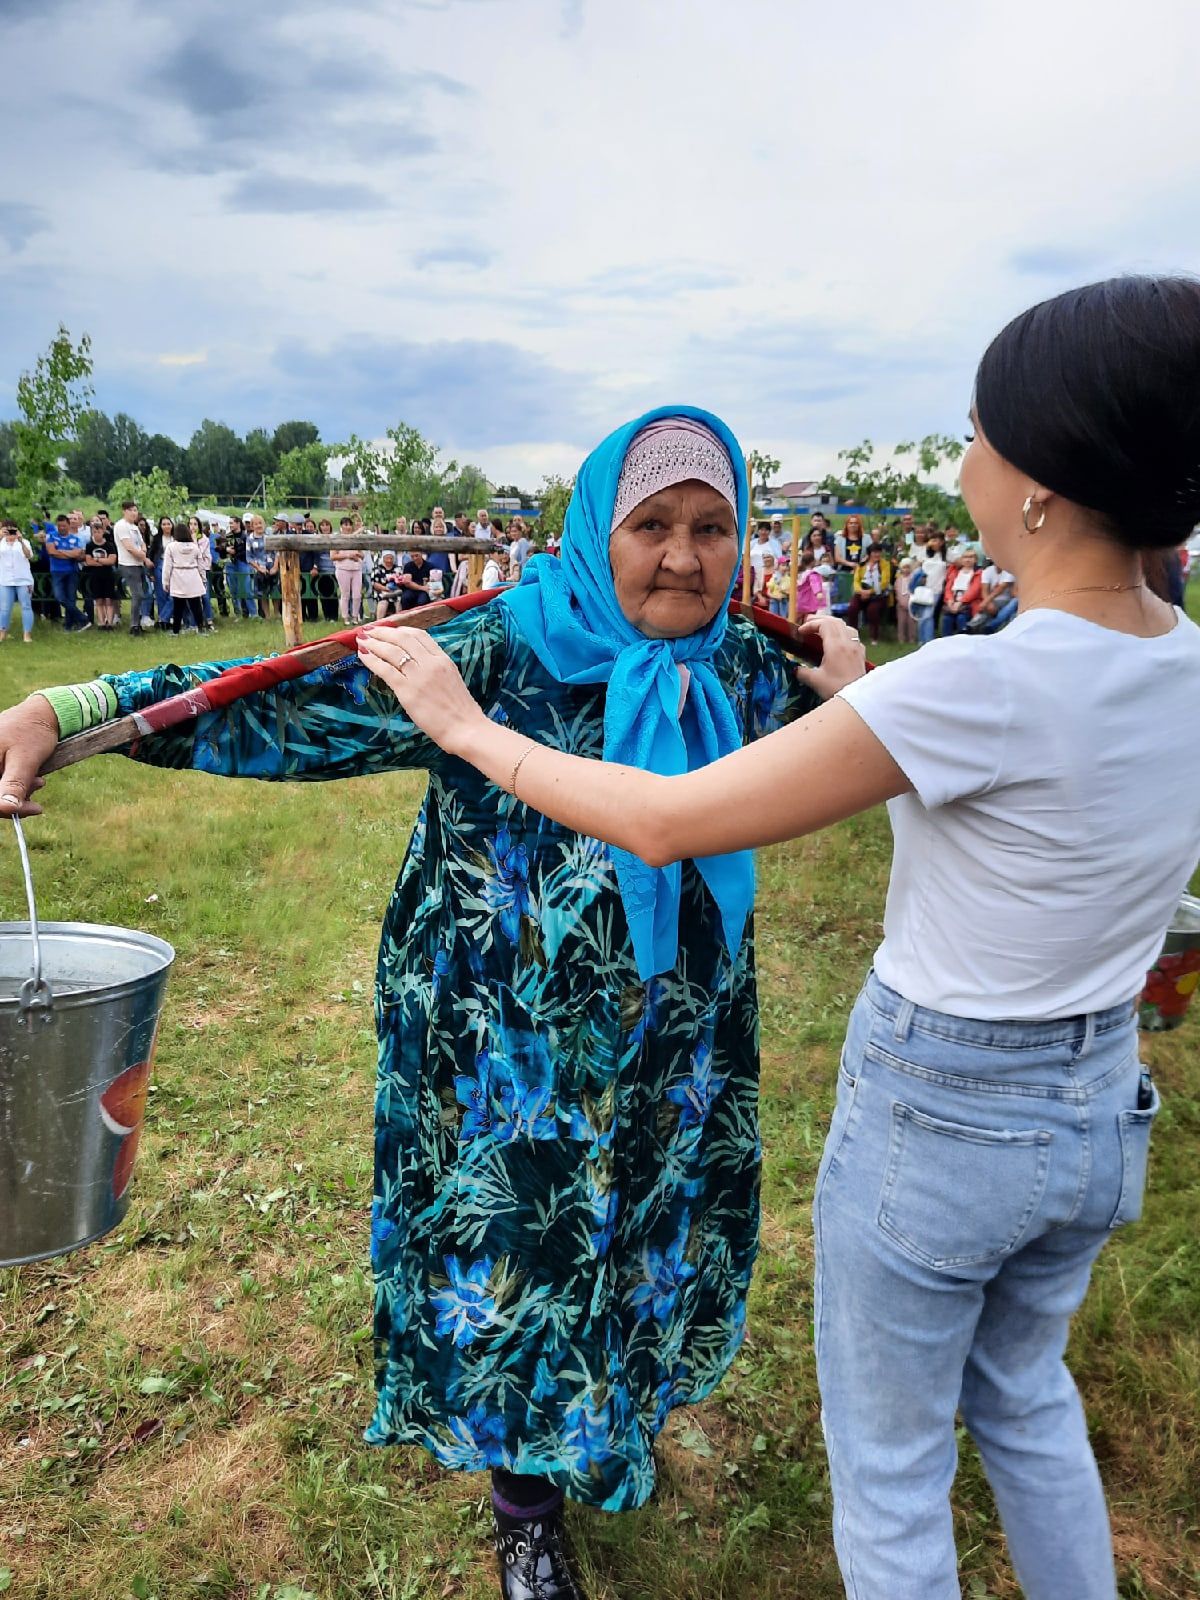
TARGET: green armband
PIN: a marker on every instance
(81, 705)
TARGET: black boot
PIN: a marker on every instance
(532, 1555)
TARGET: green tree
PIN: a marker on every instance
(155, 493)
(467, 491)
(261, 454)
(294, 436)
(51, 400)
(162, 451)
(8, 453)
(401, 476)
(762, 469)
(553, 497)
(300, 475)
(91, 457)
(131, 445)
(880, 485)
(215, 459)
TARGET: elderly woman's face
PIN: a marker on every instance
(672, 559)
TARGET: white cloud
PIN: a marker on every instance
(811, 219)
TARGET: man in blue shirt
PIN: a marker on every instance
(65, 550)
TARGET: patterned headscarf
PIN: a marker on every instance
(668, 452)
(567, 609)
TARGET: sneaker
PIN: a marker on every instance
(86, 625)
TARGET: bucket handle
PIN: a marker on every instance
(35, 990)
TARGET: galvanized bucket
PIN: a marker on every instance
(79, 1010)
(1172, 980)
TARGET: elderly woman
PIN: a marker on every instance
(566, 1145)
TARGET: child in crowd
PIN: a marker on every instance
(812, 597)
(100, 565)
(906, 627)
(763, 571)
(385, 585)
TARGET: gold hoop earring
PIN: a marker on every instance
(1026, 509)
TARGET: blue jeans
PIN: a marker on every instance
(162, 598)
(241, 598)
(12, 594)
(925, 618)
(954, 622)
(1005, 615)
(66, 587)
(972, 1174)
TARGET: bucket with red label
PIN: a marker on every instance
(79, 1012)
(1174, 977)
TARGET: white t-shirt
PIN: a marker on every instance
(993, 576)
(759, 550)
(128, 530)
(934, 568)
(14, 562)
(1055, 818)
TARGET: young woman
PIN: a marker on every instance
(16, 579)
(348, 565)
(872, 591)
(199, 532)
(238, 570)
(163, 535)
(185, 567)
(993, 1120)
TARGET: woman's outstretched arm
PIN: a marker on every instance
(825, 767)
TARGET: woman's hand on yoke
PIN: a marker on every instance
(28, 734)
(425, 681)
(843, 658)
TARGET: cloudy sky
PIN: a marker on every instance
(516, 223)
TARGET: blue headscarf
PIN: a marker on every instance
(568, 611)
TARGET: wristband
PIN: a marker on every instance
(79, 706)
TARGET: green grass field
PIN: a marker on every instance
(181, 1406)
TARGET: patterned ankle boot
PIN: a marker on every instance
(532, 1554)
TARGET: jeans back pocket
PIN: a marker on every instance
(1134, 1127)
(956, 1195)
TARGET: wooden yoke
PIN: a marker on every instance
(292, 545)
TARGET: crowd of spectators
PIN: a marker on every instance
(80, 572)
(919, 578)
(922, 579)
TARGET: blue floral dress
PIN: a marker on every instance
(566, 1158)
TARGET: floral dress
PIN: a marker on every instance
(567, 1158)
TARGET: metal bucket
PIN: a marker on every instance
(1173, 979)
(76, 1045)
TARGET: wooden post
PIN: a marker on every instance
(289, 574)
(474, 573)
(793, 575)
(747, 584)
